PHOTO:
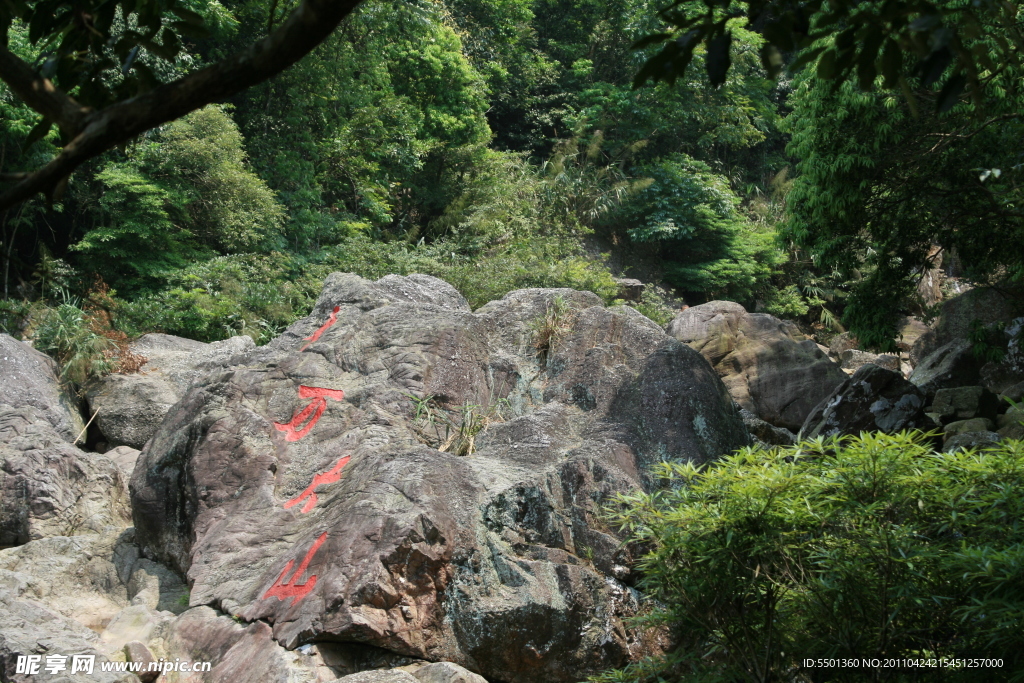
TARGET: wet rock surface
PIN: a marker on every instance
(314, 488)
(769, 367)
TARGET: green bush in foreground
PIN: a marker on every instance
(870, 547)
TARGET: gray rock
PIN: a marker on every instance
(29, 628)
(630, 289)
(95, 580)
(844, 341)
(498, 559)
(952, 365)
(911, 329)
(130, 407)
(389, 676)
(30, 380)
(975, 424)
(983, 305)
(1014, 393)
(971, 440)
(181, 361)
(873, 399)
(125, 457)
(767, 365)
(50, 488)
(240, 653)
(853, 359)
(446, 672)
(767, 434)
(963, 403)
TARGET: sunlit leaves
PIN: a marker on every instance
(872, 544)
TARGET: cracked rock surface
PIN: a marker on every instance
(400, 472)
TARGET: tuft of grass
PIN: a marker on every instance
(68, 335)
(457, 435)
(548, 329)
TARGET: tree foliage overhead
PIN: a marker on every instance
(865, 40)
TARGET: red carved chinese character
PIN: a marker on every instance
(329, 477)
(315, 408)
(323, 328)
(282, 590)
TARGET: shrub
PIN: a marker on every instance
(858, 547)
(66, 333)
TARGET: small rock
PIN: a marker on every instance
(979, 440)
(842, 342)
(630, 289)
(963, 403)
(768, 434)
(852, 359)
(446, 672)
(387, 676)
(1012, 416)
(975, 424)
(134, 651)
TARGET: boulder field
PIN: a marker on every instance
(397, 486)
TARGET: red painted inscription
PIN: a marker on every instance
(311, 413)
(328, 477)
(283, 590)
(323, 328)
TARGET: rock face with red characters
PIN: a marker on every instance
(399, 471)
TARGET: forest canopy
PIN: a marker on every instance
(775, 156)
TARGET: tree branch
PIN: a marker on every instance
(40, 94)
(307, 26)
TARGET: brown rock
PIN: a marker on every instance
(338, 518)
(135, 651)
(767, 365)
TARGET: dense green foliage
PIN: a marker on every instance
(501, 145)
(864, 547)
(879, 188)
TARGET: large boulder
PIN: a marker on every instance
(30, 380)
(873, 399)
(29, 629)
(949, 366)
(48, 487)
(981, 305)
(317, 489)
(130, 407)
(769, 367)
